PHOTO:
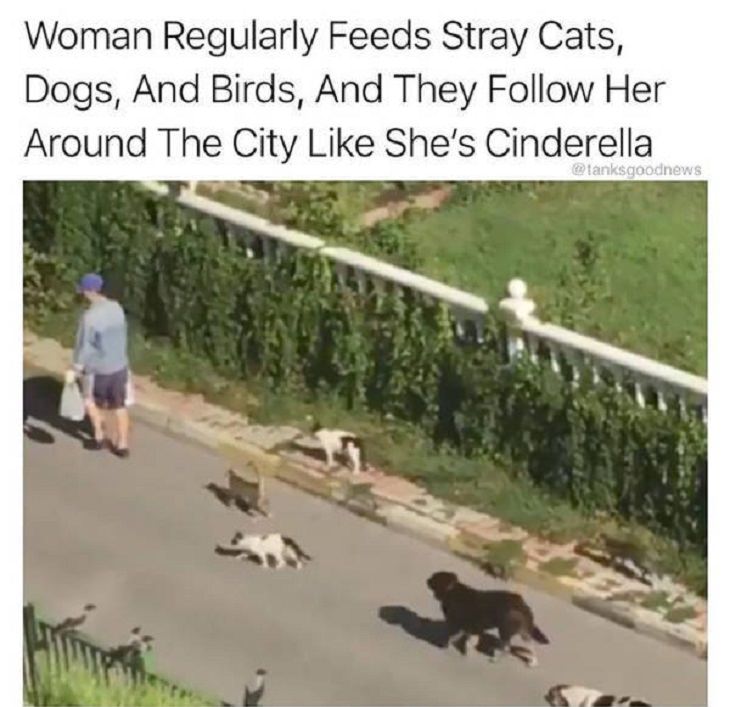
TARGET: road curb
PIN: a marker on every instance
(606, 610)
(622, 616)
(400, 517)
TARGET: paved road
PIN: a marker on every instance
(136, 537)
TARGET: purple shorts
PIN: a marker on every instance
(108, 390)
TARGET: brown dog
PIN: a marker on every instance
(470, 612)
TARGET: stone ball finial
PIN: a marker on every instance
(517, 288)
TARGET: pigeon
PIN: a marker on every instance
(72, 623)
(253, 694)
(134, 647)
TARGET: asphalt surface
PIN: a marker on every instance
(137, 537)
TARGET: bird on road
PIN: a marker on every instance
(255, 692)
(72, 623)
(134, 647)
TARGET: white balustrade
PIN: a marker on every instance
(526, 334)
(645, 373)
(465, 305)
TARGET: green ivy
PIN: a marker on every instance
(290, 324)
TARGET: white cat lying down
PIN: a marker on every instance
(270, 550)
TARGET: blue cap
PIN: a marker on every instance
(91, 282)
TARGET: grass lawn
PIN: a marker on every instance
(651, 272)
(647, 281)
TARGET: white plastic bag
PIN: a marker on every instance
(72, 402)
(129, 400)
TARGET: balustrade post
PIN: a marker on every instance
(479, 324)
(639, 394)
(554, 359)
(341, 272)
(463, 323)
(362, 281)
(516, 309)
(682, 406)
(575, 373)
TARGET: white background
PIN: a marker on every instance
(664, 45)
(684, 44)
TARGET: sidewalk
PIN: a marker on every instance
(405, 507)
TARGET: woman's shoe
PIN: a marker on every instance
(119, 452)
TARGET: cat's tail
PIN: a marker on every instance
(289, 542)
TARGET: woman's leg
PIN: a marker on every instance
(92, 409)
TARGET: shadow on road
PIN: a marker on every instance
(431, 631)
(37, 434)
(222, 494)
(41, 397)
(225, 497)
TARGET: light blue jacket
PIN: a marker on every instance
(101, 339)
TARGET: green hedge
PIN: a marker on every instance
(183, 278)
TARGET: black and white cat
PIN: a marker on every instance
(270, 550)
(578, 696)
(335, 441)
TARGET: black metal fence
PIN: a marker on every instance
(46, 651)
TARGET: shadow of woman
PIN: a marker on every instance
(37, 434)
(41, 397)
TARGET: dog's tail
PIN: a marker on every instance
(538, 635)
(289, 542)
